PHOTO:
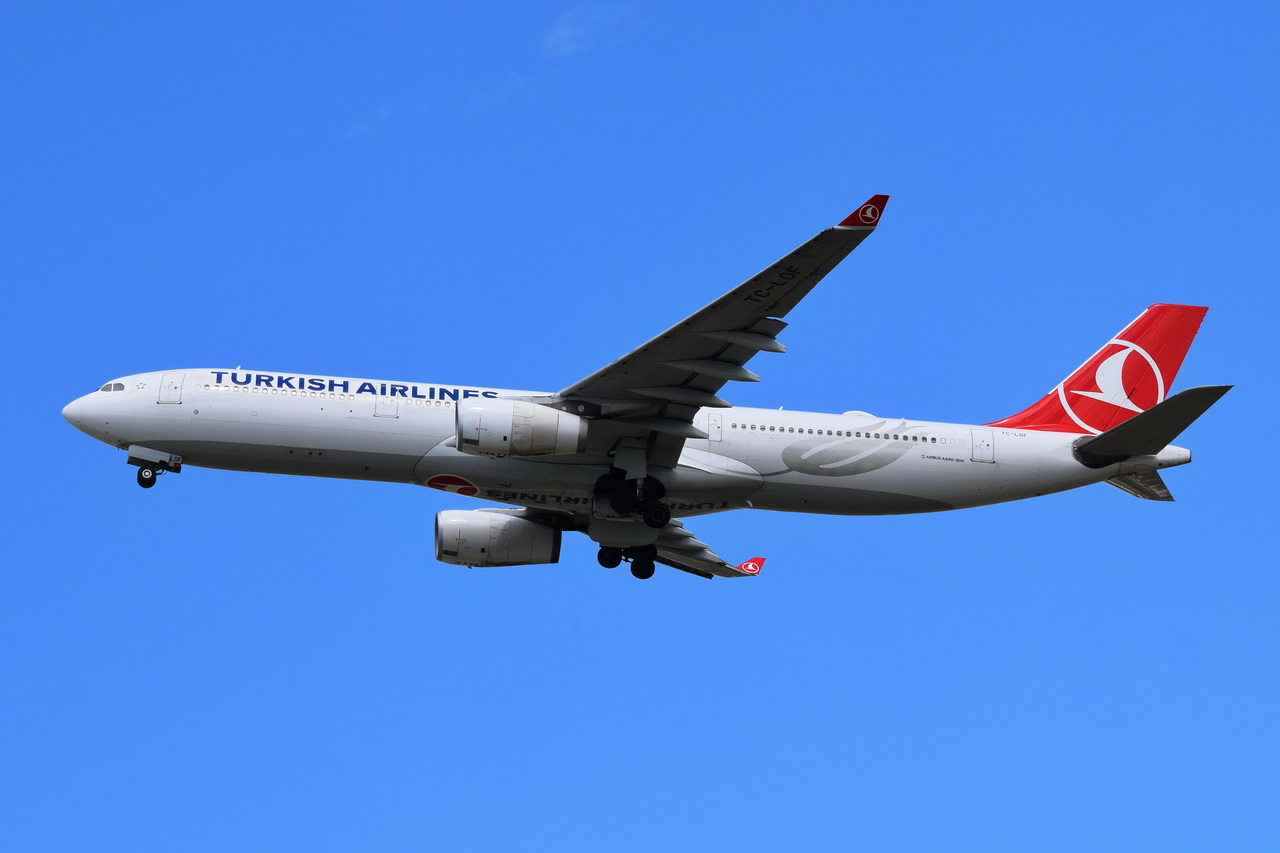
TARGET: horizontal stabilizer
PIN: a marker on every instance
(1149, 432)
(1146, 484)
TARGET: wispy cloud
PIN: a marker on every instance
(583, 27)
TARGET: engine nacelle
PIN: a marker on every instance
(518, 428)
(494, 537)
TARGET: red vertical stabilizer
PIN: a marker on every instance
(1130, 374)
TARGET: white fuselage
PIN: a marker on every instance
(850, 464)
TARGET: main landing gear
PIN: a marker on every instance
(641, 558)
(623, 496)
(640, 496)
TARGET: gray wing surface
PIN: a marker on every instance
(662, 383)
(678, 548)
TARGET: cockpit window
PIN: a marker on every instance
(106, 387)
(112, 386)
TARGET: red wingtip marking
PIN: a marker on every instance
(752, 566)
(869, 213)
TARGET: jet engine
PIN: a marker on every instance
(494, 537)
(518, 428)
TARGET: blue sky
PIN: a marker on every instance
(515, 194)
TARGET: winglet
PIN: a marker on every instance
(868, 215)
(752, 566)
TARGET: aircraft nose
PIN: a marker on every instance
(71, 411)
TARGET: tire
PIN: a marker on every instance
(655, 515)
(642, 569)
(610, 558)
(146, 477)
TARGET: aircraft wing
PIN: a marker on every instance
(678, 549)
(662, 384)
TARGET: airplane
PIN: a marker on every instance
(627, 453)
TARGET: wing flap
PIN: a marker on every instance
(751, 340)
(678, 549)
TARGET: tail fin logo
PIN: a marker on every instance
(1119, 379)
(869, 214)
(752, 566)
(1130, 374)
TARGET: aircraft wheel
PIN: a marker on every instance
(643, 569)
(655, 514)
(610, 558)
(146, 477)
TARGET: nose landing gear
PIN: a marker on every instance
(152, 463)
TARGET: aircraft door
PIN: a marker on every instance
(171, 388)
(386, 407)
(984, 446)
(715, 427)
